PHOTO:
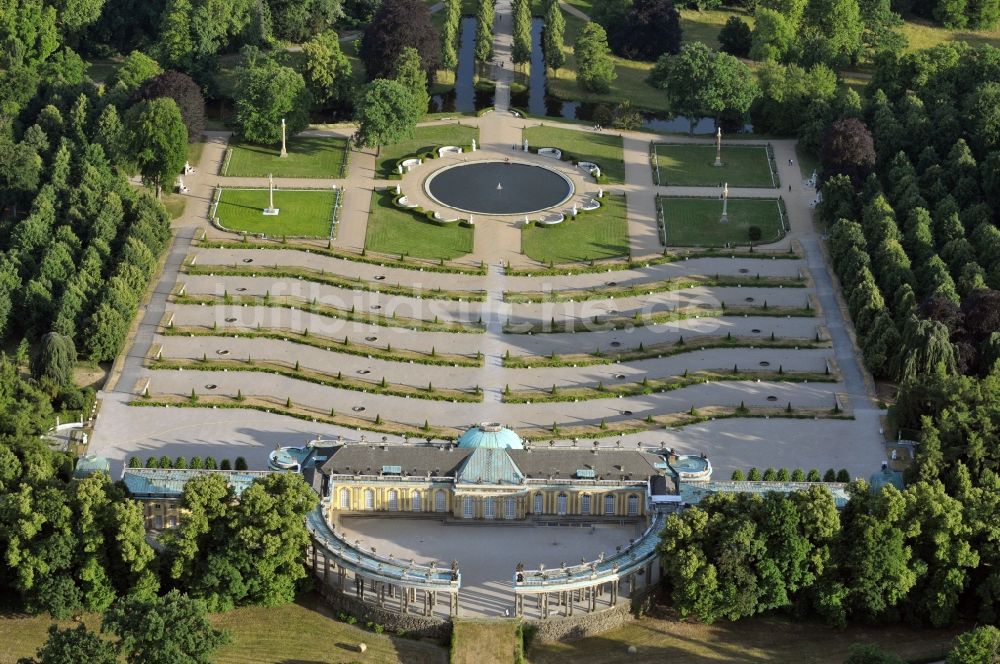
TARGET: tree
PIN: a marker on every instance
(54, 359)
(158, 141)
(177, 47)
(163, 630)
(555, 29)
(871, 654)
(834, 29)
(595, 70)
(399, 24)
(386, 114)
(268, 92)
(773, 36)
(701, 82)
(185, 92)
(327, 70)
(413, 77)
(978, 646)
(136, 69)
(73, 646)
(735, 38)
(521, 46)
(926, 349)
(649, 29)
(848, 148)
(297, 20)
(485, 17)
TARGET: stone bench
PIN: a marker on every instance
(402, 201)
(444, 220)
(591, 168)
(590, 204)
(555, 153)
(408, 164)
(449, 149)
(552, 219)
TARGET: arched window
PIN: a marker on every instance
(538, 503)
(609, 504)
(633, 505)
(415, 501)
(561, 504)
(509, 509)
(369, 499)
(393, 500)
(345, 499)
(467, 507)
(489, 509)
(440, 502)
(585, 504)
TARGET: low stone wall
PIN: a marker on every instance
(390, 620)
(581, 624)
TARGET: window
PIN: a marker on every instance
(585, 504)
(159, 521)
(633, 505)
(172, 521)
(415, 501)
(440, 502)
(488, 509)
(538, 503)
(393, 500)
(561, 504)
(609, 504)
(508, 509)
(467, 507)
(369, 499)
(345, 499)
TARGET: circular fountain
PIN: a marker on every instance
(498, 187)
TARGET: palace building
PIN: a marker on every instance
(491, 474)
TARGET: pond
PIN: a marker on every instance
(465, 97)
(496, 187)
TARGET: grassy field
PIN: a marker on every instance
(424, 138)
(602, 233)
(704, 26)
(259, 635)
(922, 34)
(694, 222)
(604, 149)
(302, 213)
(693, 165)
(194, 151)
(395, 231)
(484, 642)
(174, 203)
(630, 82)
(758, 640)
(308, 157)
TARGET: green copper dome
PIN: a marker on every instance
(492, 435)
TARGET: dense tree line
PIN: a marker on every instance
(888, 556)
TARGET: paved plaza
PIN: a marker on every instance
(485, 553)
(251, 308)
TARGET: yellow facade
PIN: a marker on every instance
(160, 513)
(486, 502)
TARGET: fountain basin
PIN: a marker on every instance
(498, 187)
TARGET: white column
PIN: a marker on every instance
(284, 152)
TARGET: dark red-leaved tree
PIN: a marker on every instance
(183, 90)
(396, 25)
(650, 28)
(847, 148)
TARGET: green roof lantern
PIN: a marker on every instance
(490, 435)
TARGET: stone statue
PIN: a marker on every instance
(525, 145)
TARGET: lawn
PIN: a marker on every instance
(630, 84)
(424, 138)
(602, 233)
(484, 642)
(704, 26)
(395, 231)
(694, 222)
(604, 149)
(261, 635)
(922, 34)
(693, 165)
(308, 157)
(759, 640)
(303, 213)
